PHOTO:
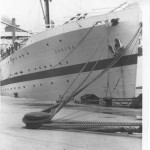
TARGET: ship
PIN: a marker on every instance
(59, 59)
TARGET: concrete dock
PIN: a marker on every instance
(14, 135)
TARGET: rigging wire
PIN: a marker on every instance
(43, 12)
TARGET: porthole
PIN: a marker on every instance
(18, 87)
(51, 82)
(23, 86)
(60, 40)
(47, 44)
(50, 65)
(34, 68)
(28, 69)
(67, 80)
(60, 63)
(22, 55)
(40, 84)
(44, 66)
(21, 72)
(33, 85)
(27, 53)
(67, 62)
(39, 67)
(19, 56)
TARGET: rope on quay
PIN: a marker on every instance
(108, 127)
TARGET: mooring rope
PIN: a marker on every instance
(109, 127)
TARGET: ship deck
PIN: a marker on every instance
(14, 135)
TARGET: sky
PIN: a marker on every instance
(28, 13)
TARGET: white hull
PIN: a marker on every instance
(48, 48)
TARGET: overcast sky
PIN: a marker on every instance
(28, 13)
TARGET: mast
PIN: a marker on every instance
(13, 30)
(47, 16)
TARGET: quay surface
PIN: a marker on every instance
(14, 135)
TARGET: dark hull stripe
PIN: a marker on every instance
(102, 64)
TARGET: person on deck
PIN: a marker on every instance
(117, 47)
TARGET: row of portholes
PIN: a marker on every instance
(16, 73)
(15, 88)
(46, 66)
(15, 58)
(64, 49)
(21, 72)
